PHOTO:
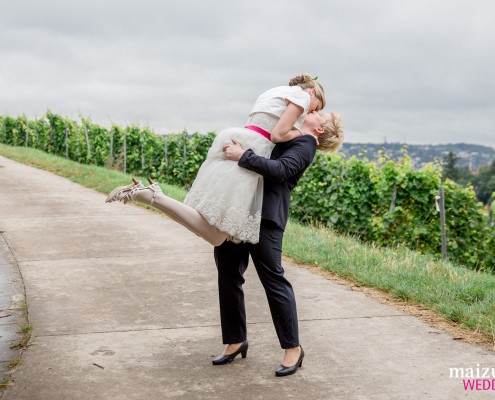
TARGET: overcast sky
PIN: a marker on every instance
(419, 71)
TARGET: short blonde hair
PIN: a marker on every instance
(306, 81)
(333, 134)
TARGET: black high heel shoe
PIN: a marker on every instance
(284, 371)
(228, 358)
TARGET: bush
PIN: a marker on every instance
(388, 203)
(391, 203)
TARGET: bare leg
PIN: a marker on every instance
(184, 215)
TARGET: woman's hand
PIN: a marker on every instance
(233, 151)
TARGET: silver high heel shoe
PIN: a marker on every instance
(125, 193)
(128, 193)
(155, 188)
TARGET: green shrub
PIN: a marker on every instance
(388, 203)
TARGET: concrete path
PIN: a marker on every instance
(123, 304)
(12, 309)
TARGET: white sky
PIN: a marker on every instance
(419, 71)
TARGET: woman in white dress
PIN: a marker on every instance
(225, 200)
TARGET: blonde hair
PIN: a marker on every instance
(306, 81)
(333, 134)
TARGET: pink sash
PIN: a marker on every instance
(259, 130)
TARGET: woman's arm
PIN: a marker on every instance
(284, 130)
(295, 159)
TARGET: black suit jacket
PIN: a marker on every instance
(281, 172)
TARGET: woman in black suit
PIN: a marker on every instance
(281, 173)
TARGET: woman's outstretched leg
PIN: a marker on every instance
(179, 212)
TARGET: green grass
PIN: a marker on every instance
(14, 363)
(457, 293)
(91, 176)
(6, 382)
(26, 328)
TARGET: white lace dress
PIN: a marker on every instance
(231, 197)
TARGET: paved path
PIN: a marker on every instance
(123, 304)
(12, 311)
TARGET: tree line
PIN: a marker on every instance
(387, 202)
(483, 181)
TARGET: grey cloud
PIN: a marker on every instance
(418, 71)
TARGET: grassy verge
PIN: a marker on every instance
(457, 293)
(98, 178)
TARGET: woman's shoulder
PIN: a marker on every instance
(284, 90)
(292, 93)
(307, 138)
(306, 141)
(274, 100)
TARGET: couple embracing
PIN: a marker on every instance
(239, 203)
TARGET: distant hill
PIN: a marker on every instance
(471, 155)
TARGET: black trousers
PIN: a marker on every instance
(232, 261)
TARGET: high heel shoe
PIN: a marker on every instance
(228, 358)
(155, 188)
(284, 371)
(128, 193)
(125, 193)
